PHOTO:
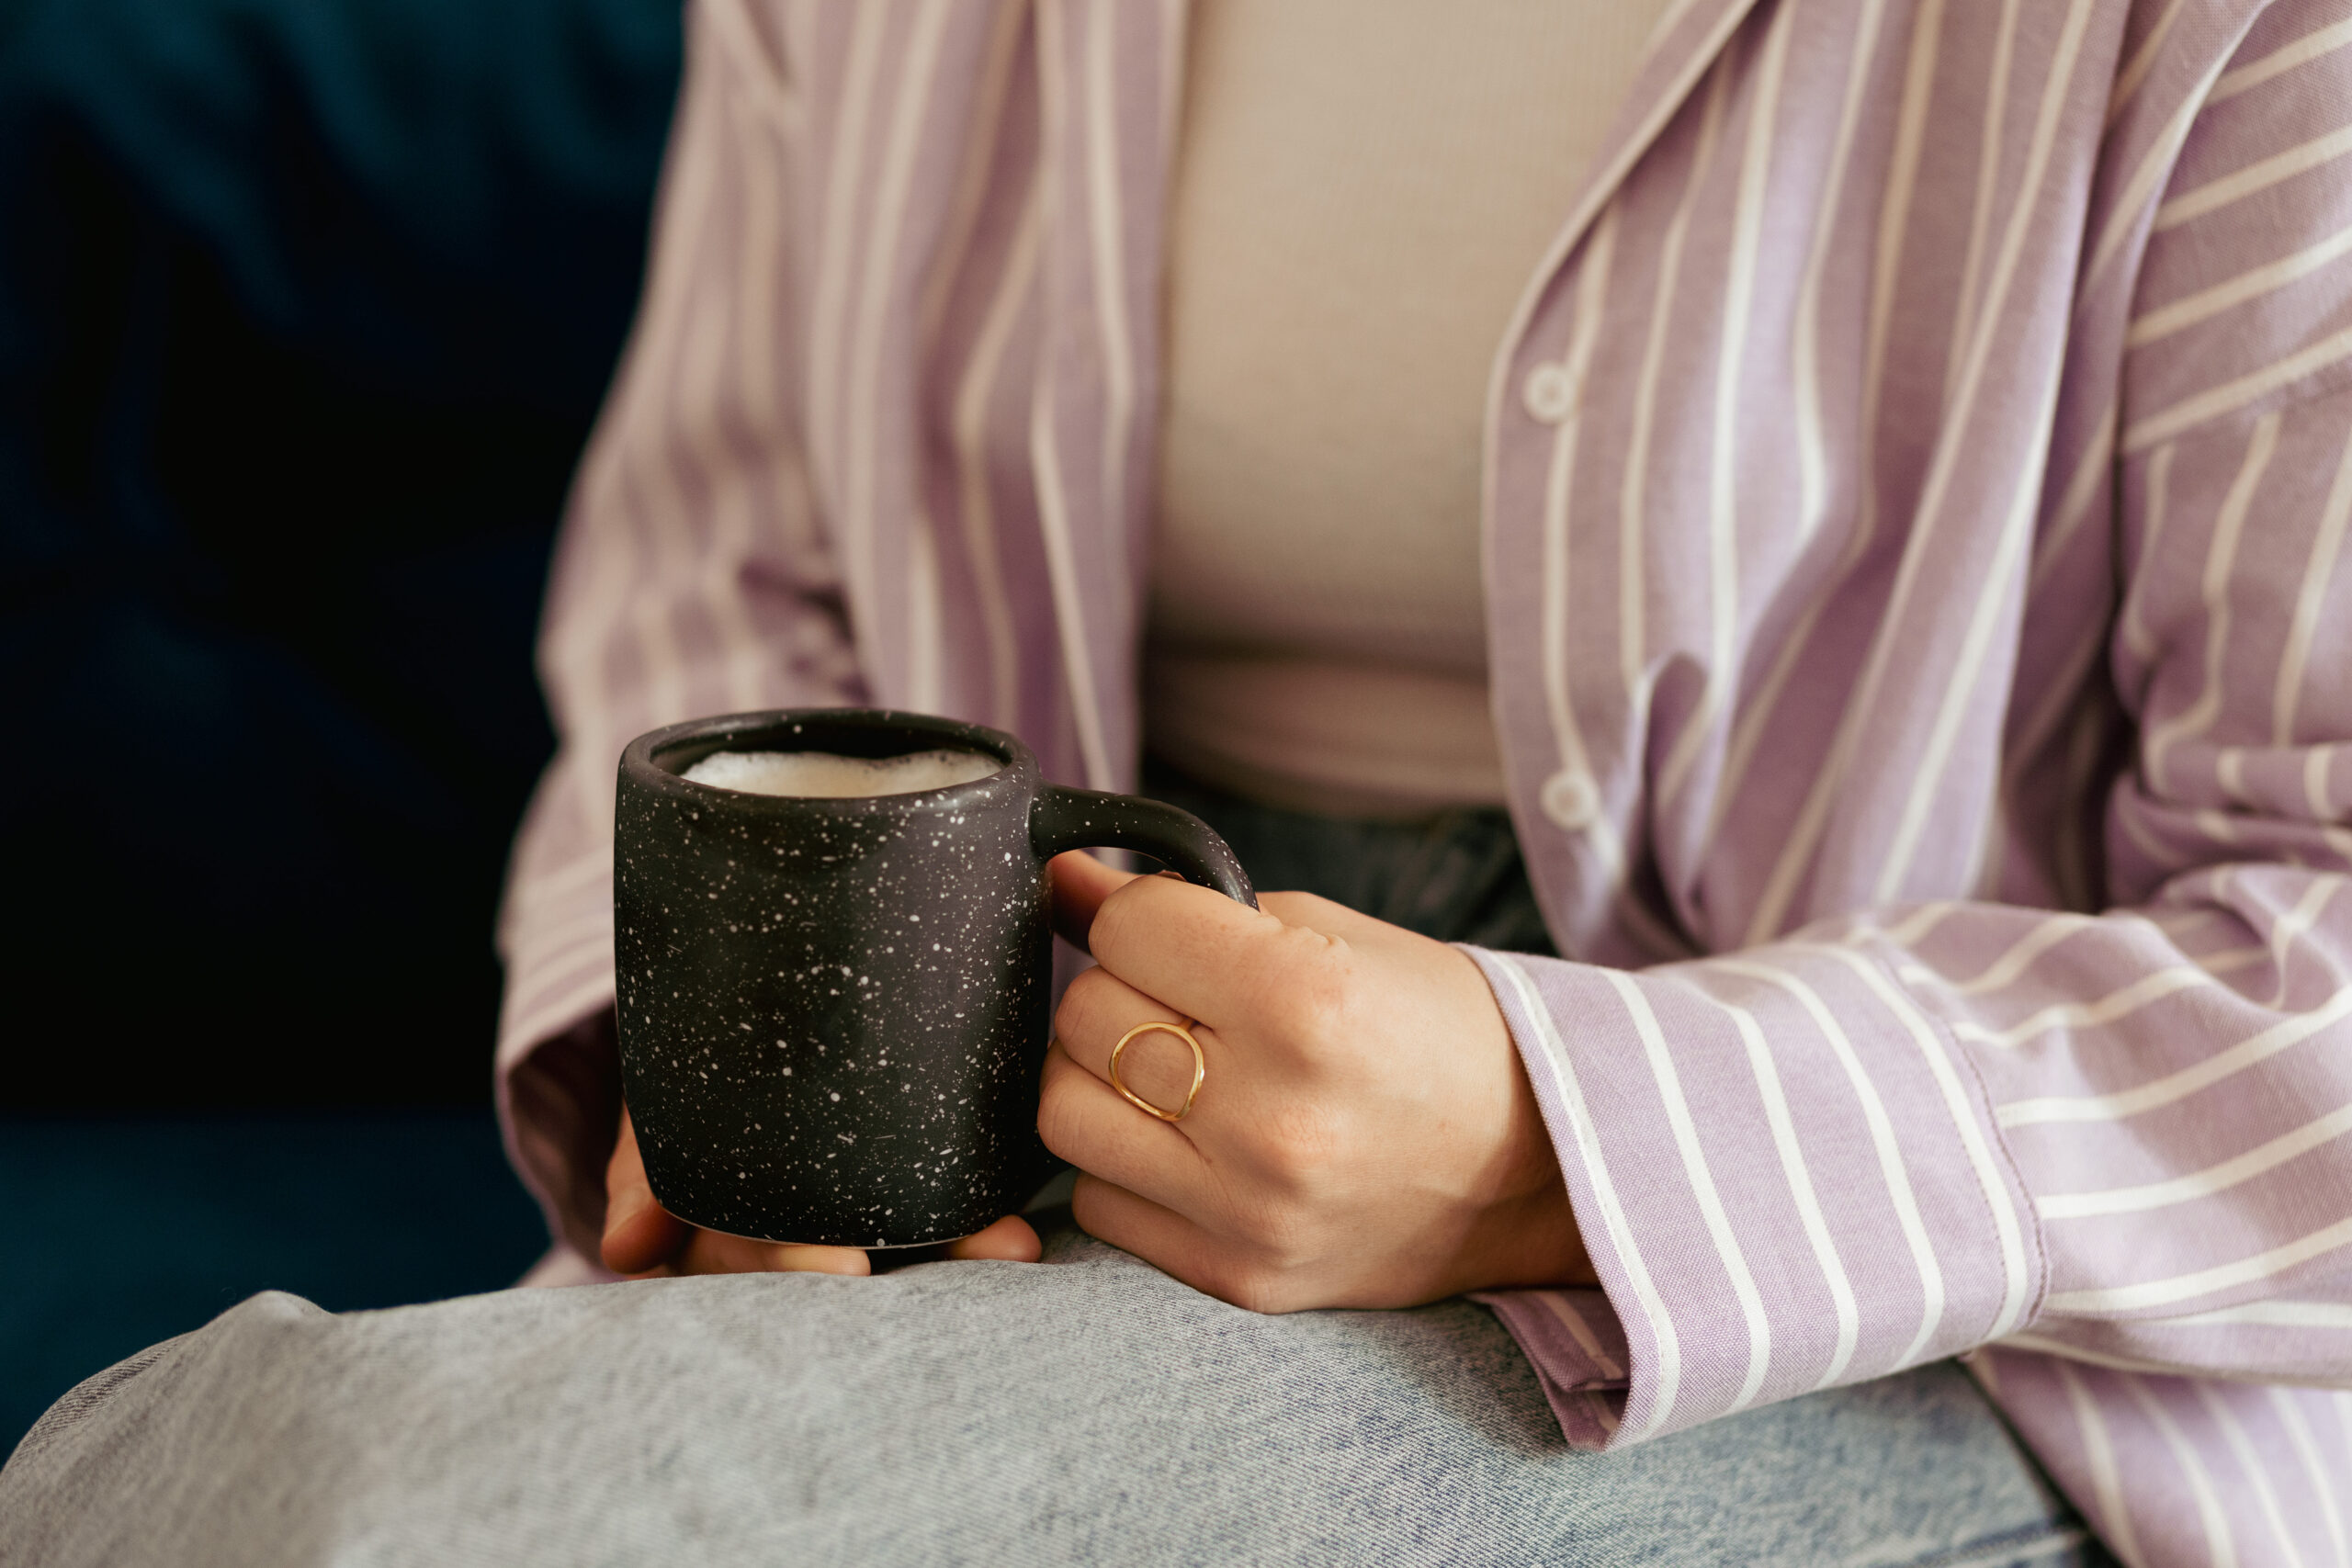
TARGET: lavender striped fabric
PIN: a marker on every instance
(1921, 630)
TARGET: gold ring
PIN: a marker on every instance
(1199, 1069)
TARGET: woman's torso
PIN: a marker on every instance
(1362, 193)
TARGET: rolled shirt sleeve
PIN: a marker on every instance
(1787, 1175)
(2124, 1139)
(1827, 1159)
(2117, 1144)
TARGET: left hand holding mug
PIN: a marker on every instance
(1364, 1135)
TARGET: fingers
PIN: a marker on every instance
(642, 1237)
(708, 1252)
(639, 1233)
(1132, 1223)
(1099, 1009)
(1176, 1245)
(1204, 955)
(1085, 1122)
(1009, 1240)
(1080, 883)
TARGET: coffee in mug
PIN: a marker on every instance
(834, 967)
(822, 775)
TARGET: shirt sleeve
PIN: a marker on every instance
(2120, 1137)
(2118, 1141)
(691, 577)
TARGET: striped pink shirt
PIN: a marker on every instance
(1920, 623)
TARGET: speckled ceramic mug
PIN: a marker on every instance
(833, 1012)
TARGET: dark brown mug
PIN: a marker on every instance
(833, 1012)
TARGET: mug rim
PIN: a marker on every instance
(655, 759)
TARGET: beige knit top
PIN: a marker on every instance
(1365, 188)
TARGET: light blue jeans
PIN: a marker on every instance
(1094, 1411)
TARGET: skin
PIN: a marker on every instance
(1365, 1136)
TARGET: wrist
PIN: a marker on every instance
(1531, 1242)
(1533, 1239)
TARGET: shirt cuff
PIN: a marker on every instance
(1786, 1181)
(1578, 1348)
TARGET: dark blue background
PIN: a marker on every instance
(306, 307)
(124, 1231)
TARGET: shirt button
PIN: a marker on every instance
(1550, 393)
(1570, 799)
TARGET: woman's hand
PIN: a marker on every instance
(644, 1240)
(1365, 1136)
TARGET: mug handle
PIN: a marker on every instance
(1083, 818)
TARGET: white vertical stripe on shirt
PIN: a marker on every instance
(1044, 454)
(2228, 529)
(1061, 567)
(968, 431)
(1106, 215)
(2322, 1490)
(1802, 1192)
(1988, 175)
(2220, 1543)
(1703, 1186)
(1632, 515)
(970, 198)
(2144, 60)
(2099, 1450)
(1560, 478)
(2327, 543)
(2315, 789)
(1604, 1188)
(702, 394)
(2094, 476)
(875, 292)
(2251, 1465)
(2007, 1229)
(2137, 638)
(1894, 212)
(1813, 459)
(1739, 296)
(1965, 678)
(847, 179)
(2293, 924)
(1892, 1170)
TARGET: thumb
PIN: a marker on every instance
(639, 1233)
(1080, 883)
